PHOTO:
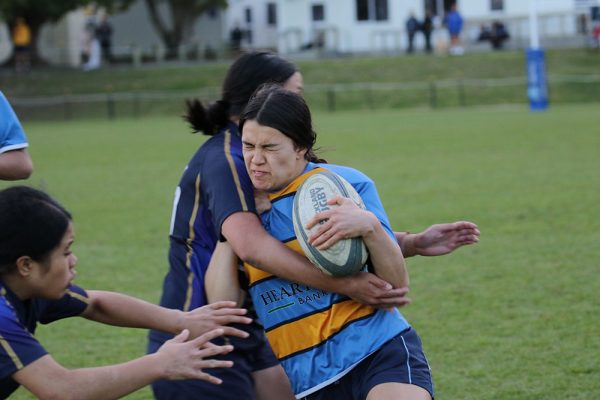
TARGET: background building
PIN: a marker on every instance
(317, 27)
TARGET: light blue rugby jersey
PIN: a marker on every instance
(12, 136)
(318, 336)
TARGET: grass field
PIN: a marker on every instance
(514, 317)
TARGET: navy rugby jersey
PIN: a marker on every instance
(18, 320)
(214, 185)
(318, 336)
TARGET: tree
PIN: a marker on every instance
(183, 16)
(36, 13)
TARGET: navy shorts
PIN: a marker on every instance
(251, 354)
(400, 360)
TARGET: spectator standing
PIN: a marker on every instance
(454, 24)
(91, 48)
(427, 29)
(235, 38)
(104, 33)
(412, 27)
(596, 35)
(21, 36)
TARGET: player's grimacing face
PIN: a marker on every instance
(271, 159)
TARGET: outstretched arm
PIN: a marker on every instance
(438, 239)
(121, 310)
(176, 359)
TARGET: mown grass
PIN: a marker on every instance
(513, 317)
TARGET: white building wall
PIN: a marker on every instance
(264, 36)
(343, 32)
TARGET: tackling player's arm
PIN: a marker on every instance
(176, 359)
(254, 245)
(438, 239)
(221, 279)
(121, 310)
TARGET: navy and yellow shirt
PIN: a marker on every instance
(18, 320)
(214, 185)
(318, 336)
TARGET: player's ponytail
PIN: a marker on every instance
(207, 120)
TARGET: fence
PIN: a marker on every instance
(334, 97)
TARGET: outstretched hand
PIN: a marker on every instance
(440, 239)
(216, 315)
(185, 359)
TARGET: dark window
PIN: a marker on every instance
(372, 10)
(381, 10)
(271, 14)
(318, 12)
(497, 5)
(362, 10)
(248, 12)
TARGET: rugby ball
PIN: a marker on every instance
(347, 256)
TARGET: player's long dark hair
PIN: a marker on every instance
(245, 75)
(31, 224)
(286, 111)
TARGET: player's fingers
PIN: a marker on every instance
(227, 304)
(209, 351)
(390, 303)
(464, 225)
(208, 378)
(379, 283)
(207, 337)
(394, 293)
(232, 319)
(318, 218)
(181, 337)
(230, 331)
(339, 200)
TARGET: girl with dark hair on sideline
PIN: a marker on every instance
(214, 202)
(37, 267)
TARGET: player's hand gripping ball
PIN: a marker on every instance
(347, 256)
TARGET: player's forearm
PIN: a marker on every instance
(115, 381)
(386, 257)
(254, 245)
(121, 310)
(406, 241)
(221, 279)
(49, 381)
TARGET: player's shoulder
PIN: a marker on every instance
(352, 175)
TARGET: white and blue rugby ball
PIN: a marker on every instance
(347, 256)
